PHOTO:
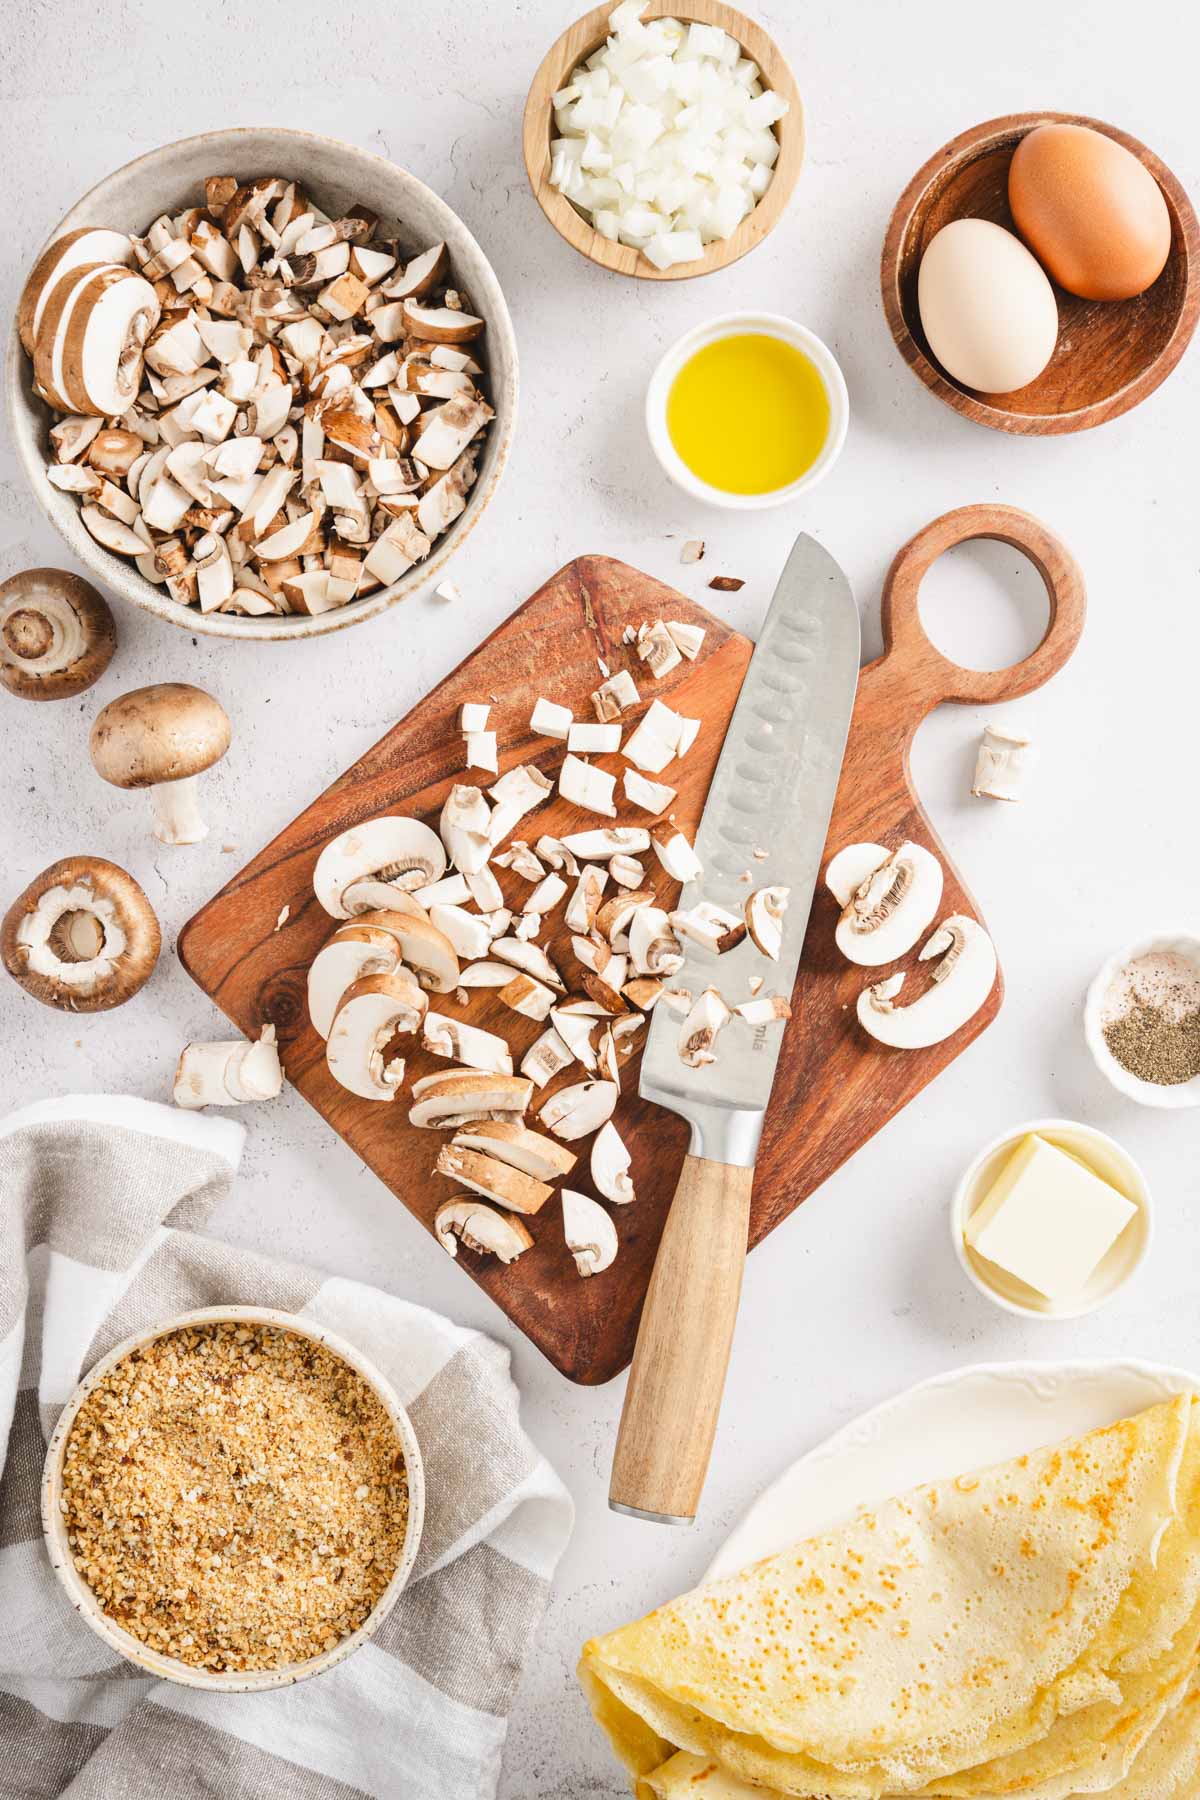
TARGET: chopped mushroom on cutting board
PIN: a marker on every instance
(835, 1083)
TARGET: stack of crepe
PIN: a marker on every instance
(1033, 1630)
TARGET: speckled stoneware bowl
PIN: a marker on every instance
(168, 1667)
(1184, 944)
(337, 175)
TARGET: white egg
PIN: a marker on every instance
(987, 307)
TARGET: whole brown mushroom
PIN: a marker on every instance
(82, 937)
(162, 738)
(57, 635)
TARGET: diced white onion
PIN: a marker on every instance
(664, 137)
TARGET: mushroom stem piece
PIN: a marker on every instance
(229, 1074)
(82, 936)
(162, 737)
(57, 634)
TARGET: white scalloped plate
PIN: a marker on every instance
(967, 1419)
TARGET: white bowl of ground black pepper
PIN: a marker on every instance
(1142, 1020)
(233, 1500)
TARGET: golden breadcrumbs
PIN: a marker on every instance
(235, 1496)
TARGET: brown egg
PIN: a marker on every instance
(1090, 211)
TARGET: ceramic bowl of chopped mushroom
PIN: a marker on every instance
(233, 1500)
(263, 383)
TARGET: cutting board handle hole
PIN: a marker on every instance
(1020, 558)
(984, 605)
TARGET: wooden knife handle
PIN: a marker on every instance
(674, 1395)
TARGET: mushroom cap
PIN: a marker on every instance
(161, 733)
(57, 634)
(126, 928)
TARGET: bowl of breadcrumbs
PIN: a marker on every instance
(234, 1499)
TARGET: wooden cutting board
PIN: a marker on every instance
(835, 1086)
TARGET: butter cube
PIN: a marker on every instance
(1048, 1219)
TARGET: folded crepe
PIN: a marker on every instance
(1034, 1629)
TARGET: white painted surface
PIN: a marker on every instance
(859, 1293)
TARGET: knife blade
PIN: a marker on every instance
(773, 791)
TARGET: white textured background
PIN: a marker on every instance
(859, 1294)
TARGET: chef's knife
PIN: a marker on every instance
(773, 791)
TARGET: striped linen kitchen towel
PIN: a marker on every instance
(101, 1203)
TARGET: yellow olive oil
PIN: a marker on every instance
(748, 414)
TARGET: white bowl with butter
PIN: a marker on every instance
(1051, 1221)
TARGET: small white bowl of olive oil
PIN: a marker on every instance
(747, 411)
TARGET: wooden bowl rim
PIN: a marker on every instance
(965, 401)
(570, 223)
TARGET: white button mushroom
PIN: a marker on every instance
(162, 738)
(82, 937)
(57, 635)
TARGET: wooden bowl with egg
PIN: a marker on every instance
(574, 47)
(1110, 354)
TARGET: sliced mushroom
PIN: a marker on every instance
(87, 351)
(548, 719)
(519, 1147)
(653, 947)
(467, 1044)
(686, 638)
(707, 1017)
(711, 925)
(354, 951)
(658, 650)
(645, 994)
(372, 1013)
(590, 1233)
(481, 1228)
(584, 785)
(613, 919)
(616, 840)
(451, 890)
(583, 908)
(403, 853)
(651, 796)
(889, 910)
(82, 936)
(546, 1057)
(440, 324)
(626, 871)
(959, 985)
(610, 1166)
(465, 825)
(485, 890)
(229, 1074)
(493, 1179)
(766, 1011)
(764, 919)
(89, 245)
(454, 1096)
(851, 867)
(675, 853)
(466, 931)
(528, 997)
(1002, 764)
(517, 792)
(575, 1112)
(530, 958)
(486, 975)
(575, 1030)
(162, 738)
(615, 695)
(57, 634)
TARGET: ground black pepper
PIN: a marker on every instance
(1155, 1044)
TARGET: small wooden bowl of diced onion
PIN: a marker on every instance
(663, 142)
